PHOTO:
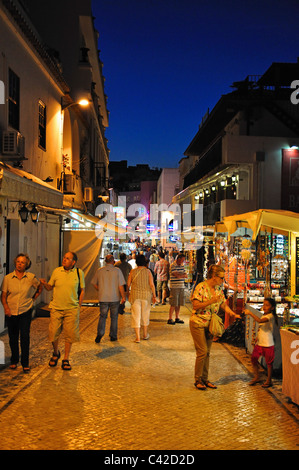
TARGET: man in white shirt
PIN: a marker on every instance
(109, 282)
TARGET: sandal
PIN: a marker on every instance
(267, 384)
(26, 369)
(254, 381)
(54, 359)
(209, 384)
(65, 365)
(13, 366)
(200, 385)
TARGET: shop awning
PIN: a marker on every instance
(19, 185)
(98, 224)
(282, 222)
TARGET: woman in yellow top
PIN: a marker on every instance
(207, 298)
(142, 292)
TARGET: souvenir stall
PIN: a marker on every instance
(264, 244)
(234, 254)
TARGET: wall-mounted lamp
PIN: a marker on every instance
(83, 102)
(34, 214)
(24, 213)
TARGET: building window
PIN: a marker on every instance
(13, 100)
(42, 120)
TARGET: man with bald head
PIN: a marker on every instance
(68, 286)
(109, 282)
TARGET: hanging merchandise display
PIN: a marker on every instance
(262, 261)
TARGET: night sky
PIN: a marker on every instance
(167, 61)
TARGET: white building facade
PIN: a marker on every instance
(50, 146)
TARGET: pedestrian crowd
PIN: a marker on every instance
(138, 280)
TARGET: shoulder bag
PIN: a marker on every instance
(216, 327)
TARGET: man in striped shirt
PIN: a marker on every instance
(177, 288)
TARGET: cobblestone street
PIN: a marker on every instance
(128, 396)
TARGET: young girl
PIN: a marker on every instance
(265, 342)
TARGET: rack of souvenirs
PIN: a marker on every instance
(253, 272)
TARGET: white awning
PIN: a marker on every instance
(19, 185)
(101, 225)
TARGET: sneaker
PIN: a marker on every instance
(177, 320)
(171, 322)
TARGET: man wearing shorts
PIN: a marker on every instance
(66, 281)
(177, 288)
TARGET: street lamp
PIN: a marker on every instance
(83, 102)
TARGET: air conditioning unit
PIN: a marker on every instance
(69, 183)
(13, 144)
(88, 194)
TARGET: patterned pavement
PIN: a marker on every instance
(124, 396)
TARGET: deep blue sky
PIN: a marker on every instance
(167, 61)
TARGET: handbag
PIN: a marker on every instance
(216, 327)
(121, 309)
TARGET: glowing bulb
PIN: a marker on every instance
(84, 102)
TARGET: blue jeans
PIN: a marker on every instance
(104, 308)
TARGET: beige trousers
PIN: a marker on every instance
(202, 342)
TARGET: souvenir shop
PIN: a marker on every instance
(260, 253)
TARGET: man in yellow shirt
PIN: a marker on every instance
(65, 306)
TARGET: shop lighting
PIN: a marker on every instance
(222, 183)
(213, 187)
